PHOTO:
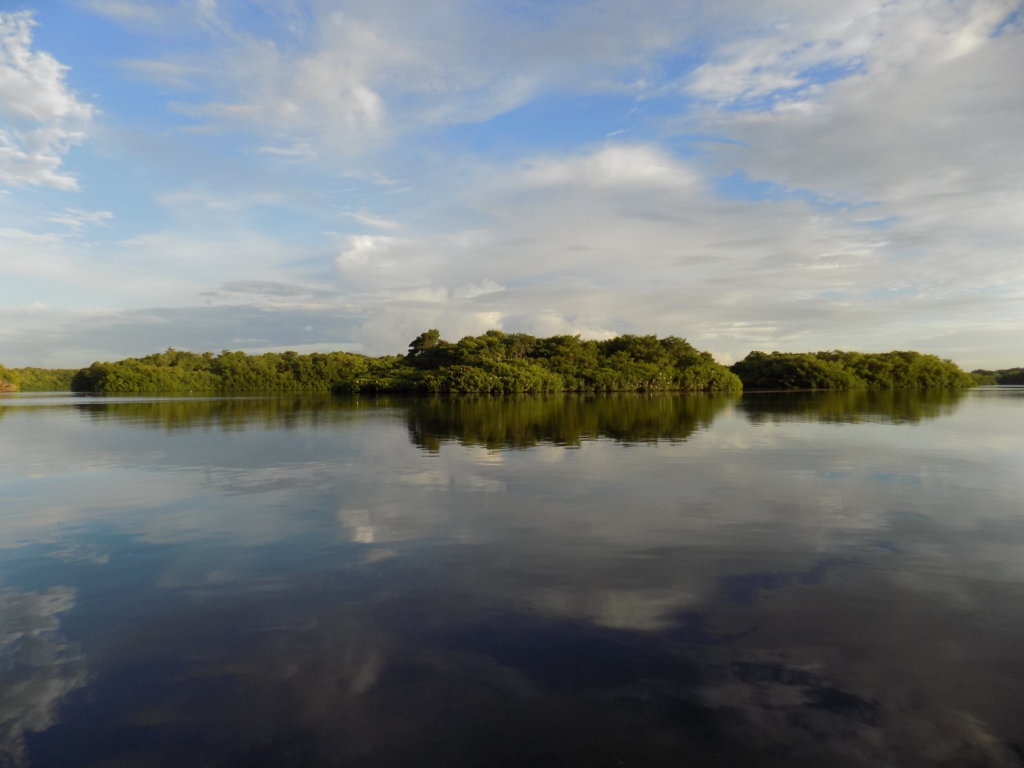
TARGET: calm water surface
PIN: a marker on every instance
(773, 580)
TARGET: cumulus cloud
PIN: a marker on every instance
(798, 175)
(626, 238)
(920, 122)
(40, 116)
(929, 111)
(615, 166)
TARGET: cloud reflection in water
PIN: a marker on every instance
(534, 586)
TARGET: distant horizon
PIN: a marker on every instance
(325, 349)
(318, 350)
(789, 175)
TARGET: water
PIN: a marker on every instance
(773, 580)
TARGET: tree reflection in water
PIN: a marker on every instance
(655, 580)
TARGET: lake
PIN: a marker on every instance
(797, 579)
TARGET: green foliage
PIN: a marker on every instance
(1004, 376)
(492, 363)
(506, 363)
(461, 378)
(499, 362)
(378, 374)
(849, 370)
(709, 376)
(44, 379)
(179, 371)
(526, 376)
(570, 357)
(428, 350)
(1011, 376)
(8, 380)
(794, 370)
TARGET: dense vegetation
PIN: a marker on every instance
(504, 363)
(7, 380)
(179, 371)
(1004, 376)
(849, 370)
(35, 379)
(508, 363)
(44, 379)
(495, 362)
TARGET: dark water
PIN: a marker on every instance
(777, 580)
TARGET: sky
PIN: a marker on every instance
(311, 175)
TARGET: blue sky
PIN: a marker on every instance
(787, 174)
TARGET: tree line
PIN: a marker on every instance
(836, 369)
(496, 362)
(1004, 376)
(35, 379)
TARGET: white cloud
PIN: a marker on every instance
(373, 263)
(361, 247)
(790, 51)
(327, 92)
(928, 132)
(350, 81)
(40, 117)
(888, 132)
(917, 120)
(616, 166)
(548, 322)
(377, 222)
(577, 252)
(40, 667)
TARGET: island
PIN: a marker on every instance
(497, 362)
